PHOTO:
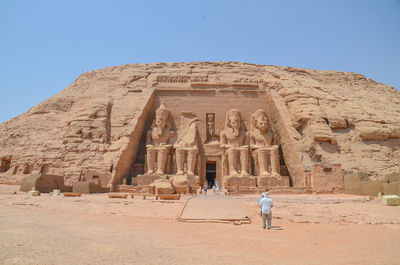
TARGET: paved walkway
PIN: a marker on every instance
(214, 208)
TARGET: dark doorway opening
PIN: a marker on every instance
(4, 165)
(211, 172)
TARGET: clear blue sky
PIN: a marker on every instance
(45, 45)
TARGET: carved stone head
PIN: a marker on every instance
(259, 121)
(233, 120)
(210, 117)
(162, 118)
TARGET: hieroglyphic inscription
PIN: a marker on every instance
(247, 81)
(181, 79)
(199, 79)
(173, 79)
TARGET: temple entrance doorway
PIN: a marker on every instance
(211, 172)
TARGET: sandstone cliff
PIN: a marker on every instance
(94, 126)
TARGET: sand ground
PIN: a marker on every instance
(93, 229)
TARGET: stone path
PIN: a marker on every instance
(214, 208)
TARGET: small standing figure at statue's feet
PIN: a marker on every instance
(205, 188)
(218, 187)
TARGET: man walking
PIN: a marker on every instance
(266, 205)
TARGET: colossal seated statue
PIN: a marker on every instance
(158, 141)
(186, 145)
(262, 144)
(234, 144)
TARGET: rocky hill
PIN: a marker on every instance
(328, 117)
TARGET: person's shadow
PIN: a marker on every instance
(276, 227)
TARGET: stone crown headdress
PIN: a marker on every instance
(254, 117)
(229, 113)
(163, 110)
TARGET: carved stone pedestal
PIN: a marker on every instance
(280, 181)
(33, 192)
(163, 186)
(147, 179)
(180, 184)
(245, 181)
(56, 193)
(183, 183)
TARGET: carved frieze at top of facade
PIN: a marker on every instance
(248, 81)
(206, 82)
(180, 79)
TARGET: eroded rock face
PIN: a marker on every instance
(95, 126)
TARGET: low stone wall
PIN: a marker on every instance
(281, 181)
(44, 183)
(88, 187)
(249, 181)
(360, 184)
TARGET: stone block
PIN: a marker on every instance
(43, 183)
(56, 193)
(117, 196)
(72, 194)
(180, 184)
(33, 193)
(163, 186)
(390, 200)
(88, 187)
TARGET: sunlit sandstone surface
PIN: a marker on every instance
(93, 229)
(326, 125)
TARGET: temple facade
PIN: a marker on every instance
(208, 134)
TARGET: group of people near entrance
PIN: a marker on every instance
(216, 187)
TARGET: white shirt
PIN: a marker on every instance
(266, 204)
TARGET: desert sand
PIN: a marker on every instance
(93, 229)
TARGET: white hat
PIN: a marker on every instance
(265, 194)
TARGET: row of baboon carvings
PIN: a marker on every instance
(235, 142)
